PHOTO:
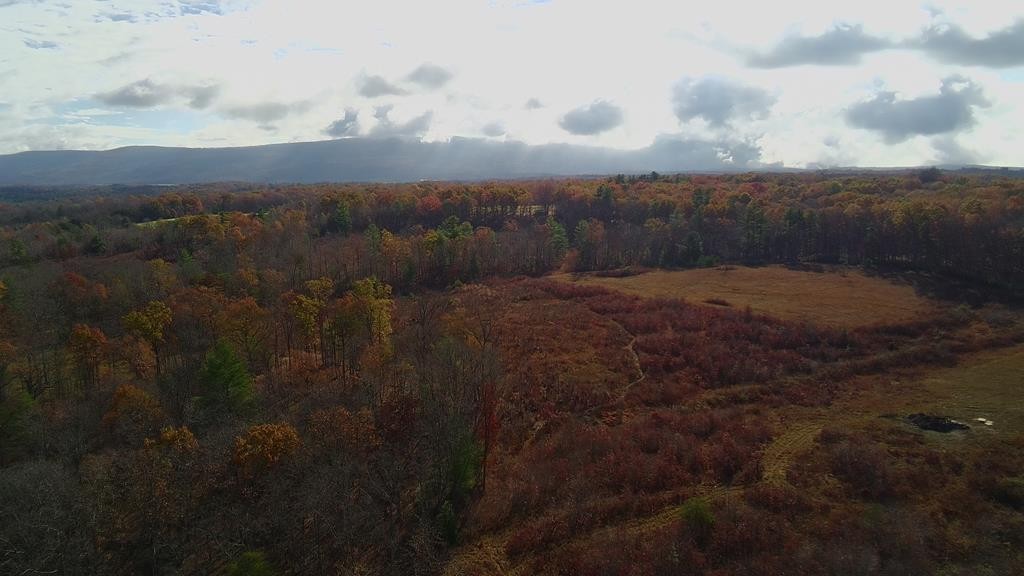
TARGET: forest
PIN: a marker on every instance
(486, 378)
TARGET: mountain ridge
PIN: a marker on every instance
(384, 160)
(362, 159)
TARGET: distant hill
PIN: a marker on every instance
(364, 160)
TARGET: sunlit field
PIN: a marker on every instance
(840, 297)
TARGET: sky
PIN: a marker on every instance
(800, 84)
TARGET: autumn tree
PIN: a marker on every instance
(344, 328)
(373, 298)
(244, 323)
(339, 430)
(265, 446)
(150, 324)
(133, 415)
(310, 311)
(88, 347)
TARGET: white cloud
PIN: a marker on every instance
(266, 56)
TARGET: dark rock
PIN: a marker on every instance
(936, 423)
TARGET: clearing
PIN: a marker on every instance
(988, 385)
(842, 298)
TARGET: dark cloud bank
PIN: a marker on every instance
(368, 160)
(951, 110)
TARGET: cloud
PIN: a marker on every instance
(376, 86)
(196, 7)
(951, 110)
(115, 17)
(145, 93)
(386, 128)
(200, 97)
(40, 44)
(599, 116)
(141, 94)
(842, 45)
(493, 129)
(429, 76)
(533, 104)
(264, 112)
(344, 127)
(950, 44)
(718, 101)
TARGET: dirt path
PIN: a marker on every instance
(636, 363)
(524, 565)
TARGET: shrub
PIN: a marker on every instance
(251, 563)
(699, 520)
(1010, 491)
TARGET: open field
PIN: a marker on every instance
(987, 385)
(847, 298)
(575, 518)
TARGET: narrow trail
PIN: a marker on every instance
(619, 402)
(612, 404)
(636, 362)
(799, 434)
(522, 566)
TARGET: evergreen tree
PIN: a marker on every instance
(225, 379)
(343, 218)
(558, 239)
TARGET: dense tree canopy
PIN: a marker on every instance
(359, 379)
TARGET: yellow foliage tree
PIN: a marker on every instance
(150, 324)
(264, 446)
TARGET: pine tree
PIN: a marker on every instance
(343, 218)
(226, 379)
(559, 240)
